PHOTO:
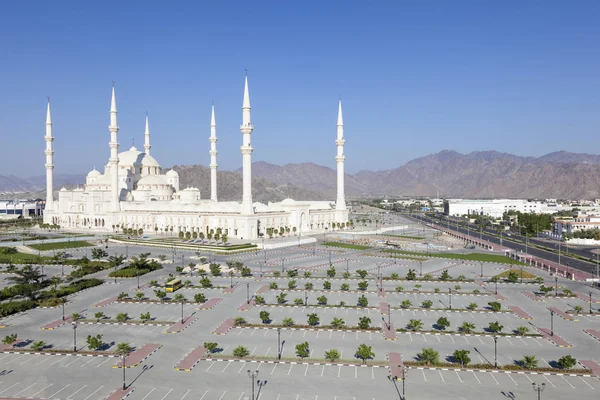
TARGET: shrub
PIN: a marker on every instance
(394, 275)
(240, 352)
(364, 322)
(321, 300)
(363, 285)
(566, 362)
(346, 274)
(94, 342)
(205, 282)
(362, 273)
(331, 271)
(445, 275)
(467, 327)
(239, 321)
(411, 275)
(436, 290)
(415, 325)
(258, 299)
(302, 350)
(211, 347)
(332, 355)
(265, 317)
(529, 362)
(308, 286)
(362, 301)
(145, 316)
(406, 303)
(461, 357)
(281, 298)
(443, 323)
(298, 301)
(522, 330)
(426, 304)
(201, 298)
(495, 306)
(99, 315)
(292, 284)
(273, 285)
(276, 274)
(495, 327)
(399, 289)
(472, 306)
(122, 317)
(39, 345)
(313, 319)
(345, 287)
(327, 285)
(364, 352)
(287, 321)
(512, 277)
(307, 274)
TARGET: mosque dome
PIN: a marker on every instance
(94, 174)
(131, 157)
(172, 173)
(149, 161)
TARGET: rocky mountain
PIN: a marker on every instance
(13, 184)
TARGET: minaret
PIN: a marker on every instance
(147, 137)
(213, 156)
(113, 128)
(246, 128)
(49, 161)
(340, 203)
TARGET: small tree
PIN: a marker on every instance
(215, 269)
(287, 321)
(364, 322)
(205, 282)
(239, 321)
(338, 322)
(332, 355)
(273, 285)
(467, 327)
(415, 325)
(9, 340)
(331, 271)
(321, 300)
(281, 298)
(265, 317)
(495, 327)
(122, 317)
(303, 350)
(529, 362)
(522, 330)
(461, 357)
(139, 295)
(363, 285)
(405, 303)
(578, 309)
(411, 275)
(427, 304)
(122, 296)
(395, 275)
(199, 298)
(99, 315)
(429, 356)
(566, 362)
(346, 274)
(512, 277)
(399, 288)
(327, 285)
(313, 319)
(211, 347)
(364, 352)
(276, 274)
(362, 301)
(298, 301)
(308, 286)
(161, 294)
(39, 345)
(345, 287)
(145, 316)
(445, 275)
(362, 273)
(94, 342)
(75, 316)
(443, 323)
(472, 306)
(292, 284)
(495, 306)
(240, 352)
(179, 298)
(545, 289)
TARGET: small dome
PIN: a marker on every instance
(288, 201)
(149, 161)
(64, 189)
(93, 173)
(172, 173)
(152, 180)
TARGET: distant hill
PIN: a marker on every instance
(484, 174)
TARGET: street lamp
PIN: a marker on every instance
(539, 389)
(450, 298)
(495, 351)
(590, 293)
(481, 265)
(74, 323)
(253, 375)
(389, 317)
(551, 323)
(305, 298)
(182, 311)
(556, 286)
(248, 293)
(279, 343)
(420, 268)
(496, 282)
(521, 274)
(63, 308)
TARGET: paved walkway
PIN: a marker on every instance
(532, 296)
(209, 304)
(557, 340)
(591, 365)
(262, 289)
(55, 324)
(396, 365)
(120, 394)
(135, 358)
(522, 314)
(179, 326)
(190, 361)
(586, 298)
(389, 332)
(592, 332)
(231, 289)
(562, 314)
(224, 327)
(106, 302)
(383, 308)
(246, 306)
(381, 292)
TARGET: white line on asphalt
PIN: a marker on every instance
(240, 398)
(372, 373)
(475, 375)
(549, 380)
(224, 368)
(51, 396)
(103, 362)
(586, 382)
(567, 381)
(241, 368)
(441, 376)
(15, 359)
(511, 378)
(83, 387)
(221, 395)
(24, 389)
(275, 366)
(546, 362)
(148, 394)
(86, 363)
(203, 395)
(306, 370)
(38, 392)
(492, 375)
(165, 396)
(186, 393)
(355, 372)
(59, 360)
(424, 377)
(290, 370)
(9, 387)
(75, 360)
(253, 350)
(94, 392)
(339, 370)
(240, 332)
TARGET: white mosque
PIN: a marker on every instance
(134, 192)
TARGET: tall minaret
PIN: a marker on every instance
(113, 128)
(147, 137)
(340, 203)
(213, 155)
(246, 129)
(49, 161)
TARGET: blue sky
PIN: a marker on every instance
(415, 77)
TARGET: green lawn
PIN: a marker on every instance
(495, 258)
(60, 245)
(526, 275)
(22, 258)
(347, 246)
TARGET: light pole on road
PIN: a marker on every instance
(495, 351)
(551, 323)
(539, 389)
(253, 375)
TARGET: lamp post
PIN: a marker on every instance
(420, 268)
(568, 270)
(389, 317)
(253, 375)
(495, 351)
(74, 323)
(551, 323)
(279, 343)
(590, 293)
(63, 308)
(481, 266)
(347, 265)
(182, 311)
(539, 389)
(450, 298)
(248, 293)
(329, 257)
(305, 298)
(496, 287)
(282, 264)
(556, 286)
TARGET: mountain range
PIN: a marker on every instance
(481, 174)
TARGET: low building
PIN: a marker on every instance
(21, 207)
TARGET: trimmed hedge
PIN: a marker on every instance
(14, 307)
(131, 272)
(71, 288)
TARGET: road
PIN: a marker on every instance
(584, 266)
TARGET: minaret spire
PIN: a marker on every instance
(113, 128)
(147, 137)
(213, 155)
(340, 203)
(49, 138)
(246, 129)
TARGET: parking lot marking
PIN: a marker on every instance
(241, 394)
(511, 378)
(51, 396)
(203, 395)
(59, 359)
(372, 373)
(549, 380)
(441, 376)
(75, 360)
(306, 370)
(221, 395)
(475, 375)
(424, 377)
(15, 359)
(492, 375)
(9, 387)
(25, 389)
(86, 363)
(148, 394)
(339, 370)
(102, 362)
(165, 396)
(275, 366)
(186, 393)
(224, 368)
(72, 394)
(567, 381)
(94, 392)
(290, 370)
(584, 381)
(241, 368)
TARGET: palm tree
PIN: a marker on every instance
(429, 356)
(123, 349)
(529, 362)
(415, 325)
(467, 327)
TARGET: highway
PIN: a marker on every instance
(580, 265)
